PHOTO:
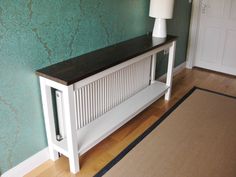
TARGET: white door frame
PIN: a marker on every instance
(193, 34)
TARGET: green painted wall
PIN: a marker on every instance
(35, 34)
(178, 26)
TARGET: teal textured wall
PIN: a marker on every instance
(35, 34)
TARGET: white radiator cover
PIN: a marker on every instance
(100, 96)
(96, 106)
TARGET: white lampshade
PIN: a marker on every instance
(161, 9)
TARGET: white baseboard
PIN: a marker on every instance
(189, 64)
(28, 165)
(176, 70)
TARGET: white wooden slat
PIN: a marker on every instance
(98, 97)
(118, 116)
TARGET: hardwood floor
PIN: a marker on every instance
(104, 152)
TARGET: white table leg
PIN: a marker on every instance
(169, 77)
(48, 117)
(153, 68)
(71, 134)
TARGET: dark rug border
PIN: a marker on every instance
(151, 128)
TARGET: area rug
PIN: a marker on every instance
(195, 138)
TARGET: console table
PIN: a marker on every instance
(100, 91)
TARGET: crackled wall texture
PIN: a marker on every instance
(37, 33)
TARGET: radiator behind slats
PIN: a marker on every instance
(100, 96)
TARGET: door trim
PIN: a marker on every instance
(193, 34)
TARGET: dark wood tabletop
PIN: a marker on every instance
(75, 69)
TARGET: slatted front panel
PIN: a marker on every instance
(100, 96)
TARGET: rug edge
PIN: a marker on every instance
(125, 151)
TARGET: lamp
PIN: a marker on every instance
(160, 10)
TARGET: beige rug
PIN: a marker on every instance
(197, 139)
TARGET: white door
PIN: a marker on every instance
(216, 44)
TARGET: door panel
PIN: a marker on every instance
(229, 57)
(210, 44)
(214, 8)
(216, 43)
(232, 10)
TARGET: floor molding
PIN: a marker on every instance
(28, 165)
(176, 70)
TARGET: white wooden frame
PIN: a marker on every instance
(193, 33)
(72, 145)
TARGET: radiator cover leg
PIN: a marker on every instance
(169, 77)
(70, 117)
(46, 95)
